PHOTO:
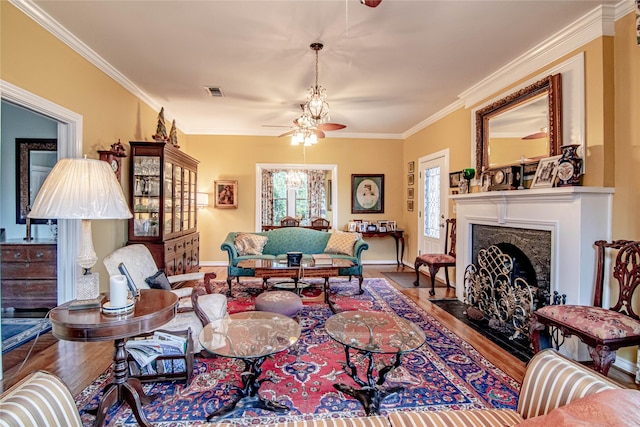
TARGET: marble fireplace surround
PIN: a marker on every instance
(575, 216)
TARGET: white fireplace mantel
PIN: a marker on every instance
(575, 216)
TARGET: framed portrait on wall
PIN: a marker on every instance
(367, 193)
(226, 194)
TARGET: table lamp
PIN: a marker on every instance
(82, 189)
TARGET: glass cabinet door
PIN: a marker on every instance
(177, 199)
(146, 194)
(192, 203)
(168, 198)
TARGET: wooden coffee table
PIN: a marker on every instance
(154, 308)
(273, 268)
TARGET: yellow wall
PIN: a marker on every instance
(36, 61)
(235, 157)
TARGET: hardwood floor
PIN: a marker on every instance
(78, 364)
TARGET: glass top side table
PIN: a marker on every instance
(373, 333)
(250, 336)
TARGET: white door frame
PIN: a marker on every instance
(444, 188)
(69, 145)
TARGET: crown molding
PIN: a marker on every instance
(433, 118)
(597, 23)
(54, 27)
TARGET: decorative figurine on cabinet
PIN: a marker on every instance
(161, 128)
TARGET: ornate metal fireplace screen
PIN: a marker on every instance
(491, 289)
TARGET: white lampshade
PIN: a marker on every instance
(83, 189)
(80, 189)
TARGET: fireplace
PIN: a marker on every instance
(563, 222)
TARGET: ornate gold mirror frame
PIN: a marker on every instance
(550, 85)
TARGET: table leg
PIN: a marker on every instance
(371, 394)
(123, 388)
(248, 396)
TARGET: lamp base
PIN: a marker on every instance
(88, 286)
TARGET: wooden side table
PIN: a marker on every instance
(398, 236)
(154, 308)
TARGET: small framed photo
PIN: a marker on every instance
(367, 193)
(454, 179)
(362, 227)
(352, 226)
(410, 205)
(411, 167)
(410, 179)
(409, 193)
(546, 173)
(391, 226)
(226, 194)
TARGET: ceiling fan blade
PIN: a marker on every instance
(276, 126)
(331, 126)
(537, 135)
(371, 3)
(291, 132)
(319, 133)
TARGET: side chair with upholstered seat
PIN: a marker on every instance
(320, 224)
(195, 298)
(440, 260)
(289, 221)
(603, 330)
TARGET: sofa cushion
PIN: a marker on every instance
(475, 418)
(341, 242)
(372, 421)
(611, 408)
(250, 244)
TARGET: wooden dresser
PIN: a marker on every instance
(28, 273)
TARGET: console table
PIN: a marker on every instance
(398, 236)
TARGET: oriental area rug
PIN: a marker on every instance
(19, 330)
(446, 373)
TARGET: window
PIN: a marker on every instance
(289, 201)
(432, 202)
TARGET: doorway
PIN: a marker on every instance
(433, 202)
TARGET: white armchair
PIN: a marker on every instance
(197, 305)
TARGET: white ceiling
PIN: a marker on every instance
(386, 69)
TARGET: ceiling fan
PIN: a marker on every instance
(312, 123)
(371, 3)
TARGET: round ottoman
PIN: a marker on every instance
(286, 303)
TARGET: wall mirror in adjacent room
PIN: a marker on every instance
(34, 160)
(524, 124)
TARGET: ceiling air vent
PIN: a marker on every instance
(214, 91)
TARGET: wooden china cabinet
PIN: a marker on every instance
(163, 201)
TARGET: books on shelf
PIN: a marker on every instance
(322, 259)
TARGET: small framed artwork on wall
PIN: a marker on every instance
(226, 194)
(409, 193)
(410, 179)
(411, 167)
(410, 205)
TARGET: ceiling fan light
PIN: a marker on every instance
(313, 138)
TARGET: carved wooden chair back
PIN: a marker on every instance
(320, 224)
(450, 242)
(626, 272)
(288, 221)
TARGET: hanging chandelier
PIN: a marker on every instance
(294, 179)
(316, 108)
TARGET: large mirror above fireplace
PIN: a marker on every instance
(526, 123)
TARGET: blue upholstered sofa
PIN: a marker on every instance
(291, 239)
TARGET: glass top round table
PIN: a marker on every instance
(250, 336)
(375, 332)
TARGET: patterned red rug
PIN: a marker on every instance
(444, 374)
